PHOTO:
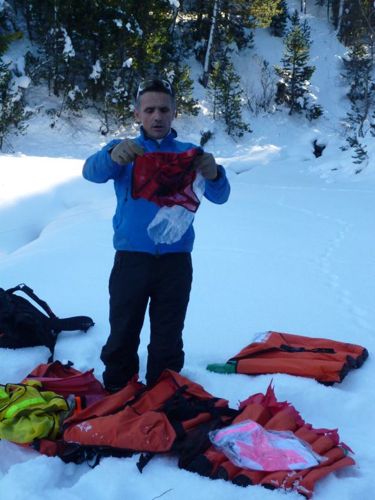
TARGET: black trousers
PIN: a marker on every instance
(137, 279)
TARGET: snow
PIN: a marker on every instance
(128, 63)
(292, 251)
(96, 71)
(22, 81)
(68, 50)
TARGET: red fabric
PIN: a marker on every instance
(134, 419)
(325, 360)
(126, 429)
(275, 415)
(137, 423)
(108, 404)
(166, 179)
(65, 380)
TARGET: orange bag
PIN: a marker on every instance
(327, 361)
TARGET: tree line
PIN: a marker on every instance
(93, 53)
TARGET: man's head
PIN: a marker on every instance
(155, 107)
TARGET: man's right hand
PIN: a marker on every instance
(126, 151)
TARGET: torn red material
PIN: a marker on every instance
(166, 178)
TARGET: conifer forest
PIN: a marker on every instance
(91, 54)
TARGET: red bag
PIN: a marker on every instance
(166, 178)
(66, 380)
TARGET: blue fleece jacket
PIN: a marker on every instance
(133, 216)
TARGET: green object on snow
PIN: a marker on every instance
(222, 367)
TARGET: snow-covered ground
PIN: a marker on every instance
(291, 251)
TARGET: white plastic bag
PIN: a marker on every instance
(171, 223)
(251, 446)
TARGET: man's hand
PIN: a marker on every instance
(126, 151)
(206, 165)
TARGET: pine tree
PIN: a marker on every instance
(97, 51)
(280, 20)
(360, 154)
(356, 21)
(8, 28)
(264, 11)
(295, 73)
(12, 106)
(231, 24)
(358, 65)
(227, 97)
(183, 86)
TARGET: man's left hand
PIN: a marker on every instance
(206, 165)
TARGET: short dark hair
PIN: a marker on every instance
(155, 84)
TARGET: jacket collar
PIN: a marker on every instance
(167, 139)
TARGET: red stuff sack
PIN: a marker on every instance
(166, 178)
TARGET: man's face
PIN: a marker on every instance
(155, 112)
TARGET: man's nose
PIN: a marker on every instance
(157, 115)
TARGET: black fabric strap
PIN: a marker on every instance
(28, 291)
(58, 324)
(73, 323)
(289, 348)
(144, 460)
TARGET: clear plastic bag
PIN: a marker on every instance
(171, 223)
(251, 446)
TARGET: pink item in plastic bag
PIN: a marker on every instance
(250, 446)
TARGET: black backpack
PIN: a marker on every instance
(24, 325)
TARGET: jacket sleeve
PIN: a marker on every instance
(99, 167)
(218, 190)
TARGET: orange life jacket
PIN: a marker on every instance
(146, 421)
(175, 415)
(325, 360)
(279, 416)
(133, 419)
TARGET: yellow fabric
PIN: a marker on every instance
(28, 413)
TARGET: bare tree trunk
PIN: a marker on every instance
(292, 90)
(206, 67)
(340, 15)
(174, 21)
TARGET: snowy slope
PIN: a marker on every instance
(290, 251)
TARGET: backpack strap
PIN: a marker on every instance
(28, 291)
(57, 324)
(144, 459)
(82, 323)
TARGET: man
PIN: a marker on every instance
(143, 271)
